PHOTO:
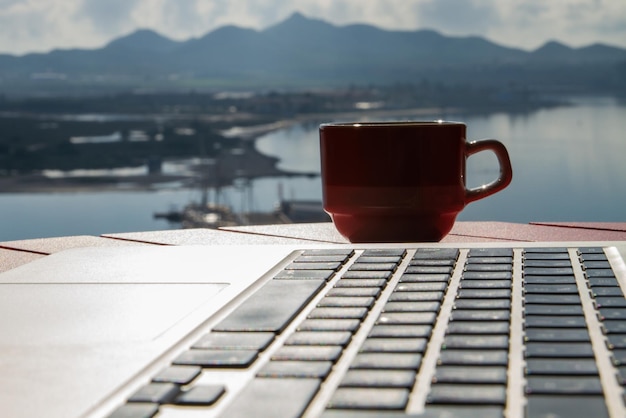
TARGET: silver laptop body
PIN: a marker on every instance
(422, 330)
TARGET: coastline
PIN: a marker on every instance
(257, 164)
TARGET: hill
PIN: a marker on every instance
(301, 51)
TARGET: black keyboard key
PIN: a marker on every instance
(181, 375)
(332, 265)
(400, 331)
(267, 398)
(394, 345)
(616, 341)
(551, 289)
(463, 411)
(552, 299)
(611, 302)
(421, 287)
(490, 252)
(597, 265)
(486, 284)
(546, 256)
(432, 262)
(488, 267)
(570, 310)
(407, 318)
(619, 357)
(557, 335)
(478, 327)
(217, 358)
(561, 367)
(305, 275)
(474, 357)
(201, 395)
(379, 259)
(614, 326)
(482, 304)
(547, 263)
(467, 394)
(436, 254)
(549, 271)
(490, 260)
(386, 267)
(603, 282)
(419, 278)
(258, 341)
(369, 398)
(365, 274)
(563, 406)
(528, 280)
(487, 275)
(559, 350)
(591, 250)
(350, 325)
(480, 315)
(272, 307)
(416, 297)
(607, 291)
(394, 361)
(555, 385)
(553, 321)
(325, 258)
(429, 270)
(361, 282)
(135, 410)
(431, 411)
(599, 273)
(341, 338)
(485, 293)
(379, 378)
(346, 301)
(429, 306)
(354, 291)
(308, 353)
(156, 393)
(347, 252)
(293, 368)
(382, 252)
(488, 342)
(621, 375)
(338, 313)
(613, 313)
(470, 374)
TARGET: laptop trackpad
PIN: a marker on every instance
(66, 314)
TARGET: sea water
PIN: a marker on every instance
(568, 165)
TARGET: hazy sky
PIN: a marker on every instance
(42, 25)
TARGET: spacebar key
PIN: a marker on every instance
(273, 398)
(272, 307)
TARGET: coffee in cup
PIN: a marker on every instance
(400, 181)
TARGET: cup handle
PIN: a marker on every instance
(506, 173)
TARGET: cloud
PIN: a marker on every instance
(574, 22)
(458, 16)
(107, 17)
(41, 25)
(31, 25)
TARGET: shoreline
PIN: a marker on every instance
(263, 164)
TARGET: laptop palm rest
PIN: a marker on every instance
(77, 325)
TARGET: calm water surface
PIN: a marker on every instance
(568, 165)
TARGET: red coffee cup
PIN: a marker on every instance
(400, 181)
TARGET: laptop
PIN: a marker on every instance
(408, 330)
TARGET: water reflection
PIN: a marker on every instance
(567, 161)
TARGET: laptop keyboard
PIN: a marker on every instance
(434, 333)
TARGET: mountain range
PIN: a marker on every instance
(304, 51)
